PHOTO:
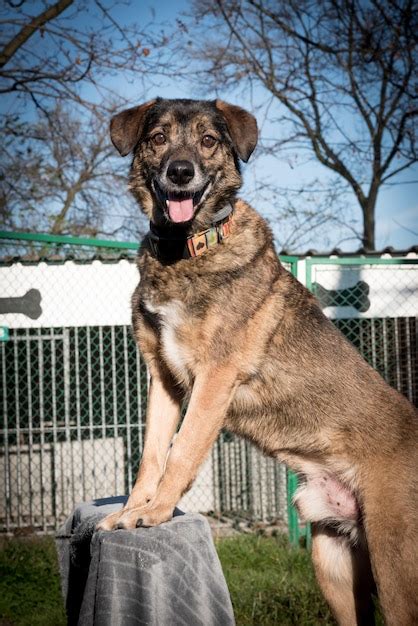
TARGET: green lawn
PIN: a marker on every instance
(30, 593)
(270, 583)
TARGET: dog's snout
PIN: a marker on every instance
(180, 172)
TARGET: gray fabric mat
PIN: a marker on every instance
(167, 575)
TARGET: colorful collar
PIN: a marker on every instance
(170, 249)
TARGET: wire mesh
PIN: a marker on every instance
(74, 386)
(375, 305)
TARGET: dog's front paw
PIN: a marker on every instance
(136, 517)
(144, 516)
(110, 521)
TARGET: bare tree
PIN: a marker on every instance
(59, 62)
(64, 178)
(300, 216)
(342, 74)
(71, 50)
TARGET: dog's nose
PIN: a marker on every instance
(180, 172)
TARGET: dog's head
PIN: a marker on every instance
(186, 156)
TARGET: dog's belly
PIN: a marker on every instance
(322, 497)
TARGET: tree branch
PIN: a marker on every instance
(30, 29)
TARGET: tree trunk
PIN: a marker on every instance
(368, 238)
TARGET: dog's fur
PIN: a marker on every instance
(249, 346)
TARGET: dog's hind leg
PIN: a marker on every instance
(344, 574)
(390, 519)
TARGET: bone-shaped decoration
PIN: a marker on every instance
(355, 296)
(29, 304)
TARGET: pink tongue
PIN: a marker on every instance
(180, 210)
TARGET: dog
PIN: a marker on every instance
(221, 323)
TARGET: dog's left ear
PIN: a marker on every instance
(242, 127)
(126, 127)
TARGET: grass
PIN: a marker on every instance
(30, 593)
(270, 583)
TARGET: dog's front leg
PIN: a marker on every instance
(163, 414)
(209, 402)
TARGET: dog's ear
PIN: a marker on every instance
(126, 127)
(242, 127)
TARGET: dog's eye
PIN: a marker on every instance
(158, 139)
(208, 141)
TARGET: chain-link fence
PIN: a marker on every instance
(374, 302)
(73, 385)
(74, 390)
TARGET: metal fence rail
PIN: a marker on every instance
(73, 385)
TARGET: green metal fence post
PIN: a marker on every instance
(292, 480)
(292, 515)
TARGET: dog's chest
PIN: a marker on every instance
(175, 351)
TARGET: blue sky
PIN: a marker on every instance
(397, 207)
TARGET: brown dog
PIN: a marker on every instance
(221, 322)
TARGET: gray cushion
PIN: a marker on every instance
(165, 575)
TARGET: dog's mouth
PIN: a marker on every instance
(180, 206)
